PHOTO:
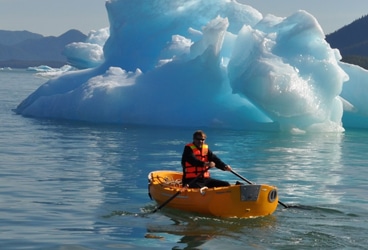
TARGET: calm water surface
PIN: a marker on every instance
(69, 185)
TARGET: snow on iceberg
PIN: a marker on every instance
(212, 63)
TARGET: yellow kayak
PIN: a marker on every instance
(242, 201)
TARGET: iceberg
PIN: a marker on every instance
(41, 68)
(196, 63)
(87, 54)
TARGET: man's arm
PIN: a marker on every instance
(219, 163)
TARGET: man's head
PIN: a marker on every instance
(198, 138)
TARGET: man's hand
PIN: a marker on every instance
(228, 168)
(210, 164)
(185, 188)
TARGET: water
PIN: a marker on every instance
(70, 185)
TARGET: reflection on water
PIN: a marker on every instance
(193, 231)
(310, 166)
(301, 166)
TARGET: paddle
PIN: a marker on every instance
(177, 193)
(249, 182)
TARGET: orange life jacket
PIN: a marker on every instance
(193, 171)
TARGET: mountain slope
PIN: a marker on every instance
(13, 37)
(36, 49)
(352, 39)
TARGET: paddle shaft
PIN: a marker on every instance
(165, 203)
(241, 177)
(177, 193)
(249, 182)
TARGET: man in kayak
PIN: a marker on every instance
(197, 158)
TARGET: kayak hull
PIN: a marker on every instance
(242, 201)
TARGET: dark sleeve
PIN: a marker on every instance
(219, 163)
(188, 156)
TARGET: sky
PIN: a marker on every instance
(55, 17)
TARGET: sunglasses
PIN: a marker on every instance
(200, 139)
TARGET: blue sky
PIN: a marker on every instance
(54, 17)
